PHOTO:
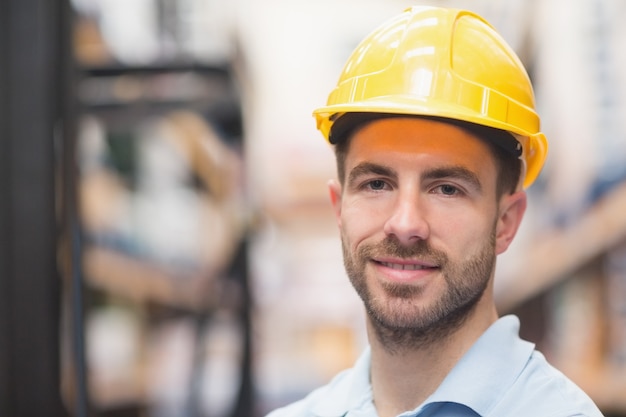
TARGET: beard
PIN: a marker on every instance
(398, 320)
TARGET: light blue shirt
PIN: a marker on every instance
(500, 376)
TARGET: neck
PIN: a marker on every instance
(404, 378)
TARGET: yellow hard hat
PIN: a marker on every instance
(440, 62)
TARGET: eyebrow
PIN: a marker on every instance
(369, 168)
(457, 172)
(452, 172)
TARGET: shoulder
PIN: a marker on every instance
(301, 408)
(350, 389)
(327, 396)
(546, 391)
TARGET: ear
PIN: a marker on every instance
(512, 209)
(335, 198)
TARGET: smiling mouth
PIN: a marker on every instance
(405, 267)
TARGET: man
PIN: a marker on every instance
(436, 138)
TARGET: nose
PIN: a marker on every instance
(408, 219)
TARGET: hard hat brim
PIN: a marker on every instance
(534, 145)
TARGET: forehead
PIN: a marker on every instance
(411, 137)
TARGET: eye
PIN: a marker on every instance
(377, 185)
(447, 190)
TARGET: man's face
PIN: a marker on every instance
(420, 223)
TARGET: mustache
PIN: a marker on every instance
(391, 247)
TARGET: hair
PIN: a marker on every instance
(504, 148)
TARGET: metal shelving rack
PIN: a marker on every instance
(43, 368)
(222, 106)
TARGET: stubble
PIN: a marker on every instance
(399, 320)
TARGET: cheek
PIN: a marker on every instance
(361, 221)
(463, 229)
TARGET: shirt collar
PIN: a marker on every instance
(478, 380)
(488, 369)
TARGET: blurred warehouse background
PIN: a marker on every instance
(168, 248)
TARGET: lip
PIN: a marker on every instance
(404, 270)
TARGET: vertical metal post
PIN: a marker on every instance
(30, 110)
